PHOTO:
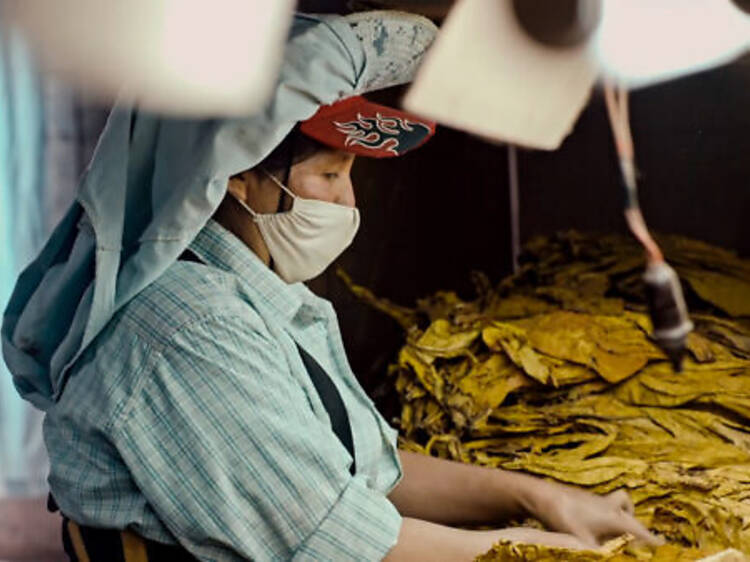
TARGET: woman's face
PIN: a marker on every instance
(324, 176)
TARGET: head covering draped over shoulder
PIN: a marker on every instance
(155, 182)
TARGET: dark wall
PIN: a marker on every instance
(431, 217)
(692, 141)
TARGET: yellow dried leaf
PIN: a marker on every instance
(730, 294)
(511, 340)
(516, 306)
(612, 346)
(582, 473)
(489, 382)
(566, 384)
(442, 340)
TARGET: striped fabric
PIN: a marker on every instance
(192, 419)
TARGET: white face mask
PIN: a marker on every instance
(306, 239)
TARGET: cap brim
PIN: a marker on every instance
(361, 127)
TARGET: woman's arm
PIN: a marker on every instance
(453, 493)
(422, 540)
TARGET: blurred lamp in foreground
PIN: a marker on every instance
(641, 42)
(176, 56)
(521, 71)
(485, 74)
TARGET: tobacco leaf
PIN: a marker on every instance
(441, 339)
(513, 341)
(553, 373)
(730, 294)
(614, 347)
(489, 382)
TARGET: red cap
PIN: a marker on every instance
(361, 127)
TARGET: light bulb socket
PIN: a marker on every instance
(558, 23)
(668, 311)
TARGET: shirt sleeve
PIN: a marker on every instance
(225, 446)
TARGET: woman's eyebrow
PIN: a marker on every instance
(340, 156)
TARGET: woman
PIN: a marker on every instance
(198, 399)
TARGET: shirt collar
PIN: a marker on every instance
(218, 247)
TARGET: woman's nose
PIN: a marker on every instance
(346, 195)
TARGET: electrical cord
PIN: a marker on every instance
(666, 301)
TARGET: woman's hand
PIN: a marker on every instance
(453, 493)
(527, 535)
(591, 518)
(422, 540)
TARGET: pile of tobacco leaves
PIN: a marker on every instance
(552, 372)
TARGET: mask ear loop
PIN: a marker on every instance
(284, 189)
(287, 173)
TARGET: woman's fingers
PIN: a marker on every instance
(585, 537)
(569, 541)
(548, 538)
(621, 499)
(626, 523)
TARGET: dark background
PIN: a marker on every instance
(434, 215)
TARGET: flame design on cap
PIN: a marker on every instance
(393, 134)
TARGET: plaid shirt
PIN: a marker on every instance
(192, 419)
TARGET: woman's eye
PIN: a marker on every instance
(331, 176)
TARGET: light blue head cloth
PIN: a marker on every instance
(154, 183)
